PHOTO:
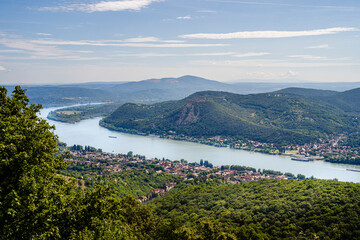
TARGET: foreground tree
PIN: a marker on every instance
(27, 169)
(37, 203)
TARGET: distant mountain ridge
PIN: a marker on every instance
(146, 91)
(269, 117)
(183, 86)
(154, 90)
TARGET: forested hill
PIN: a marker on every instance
(282, 118)
(307, 92)
(269, 209)
(348, 101)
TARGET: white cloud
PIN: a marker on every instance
(173, 41)
(289, 74)
(143, 55)
(273, 63)
(23, 44)
(12, 51)
(121, 43)
(84, 51)
(271, 75)
(184, 17)
(268, 34)
(308, 57)
(325, 46)
(47, 57)
(265, 75)
(311, 57)
(251, 54)
(104, 6)
(206, 11)
(213, 54)
(149, 39)
(43, 34)
(142, 39)
(33, 50)
(2, 68)
(50, 49)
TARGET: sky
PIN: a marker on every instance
(73, 41)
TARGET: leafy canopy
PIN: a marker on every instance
(37, 203)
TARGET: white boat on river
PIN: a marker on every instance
(88, 132)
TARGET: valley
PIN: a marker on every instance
(179, 120)
(89, 132)
(302, 123)
(317, 126)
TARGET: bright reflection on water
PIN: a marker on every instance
(89, 133)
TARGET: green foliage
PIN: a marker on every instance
(96, 215)
(343, 160)
(242, 168)
(36, 203)
(79, 113)
(267, 209)
(139, 182)
(353, 141)
(271, 118)
(348, 101)
(136, 183)
(27, 169)
(80, 148)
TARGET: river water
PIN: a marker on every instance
(88, 132)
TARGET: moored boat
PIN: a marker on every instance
(302, 159)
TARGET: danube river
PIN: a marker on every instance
(88, 132)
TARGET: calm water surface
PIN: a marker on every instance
(88, 132)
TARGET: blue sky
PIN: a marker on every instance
(67, 41)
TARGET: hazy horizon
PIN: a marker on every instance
(240, 81)
(77, 41)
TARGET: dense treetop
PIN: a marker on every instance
(37, 203)
(268, 209)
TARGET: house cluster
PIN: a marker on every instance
(334, 147)
(112, 163)
(115, 163)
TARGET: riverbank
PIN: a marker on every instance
(88, 164)
(223, 142)
(75, 114)
(328, 152)
(88, 132)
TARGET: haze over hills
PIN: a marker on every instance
(155, 90)
(268, 117)
(271, 90)
(146, 91)
(257, 86)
